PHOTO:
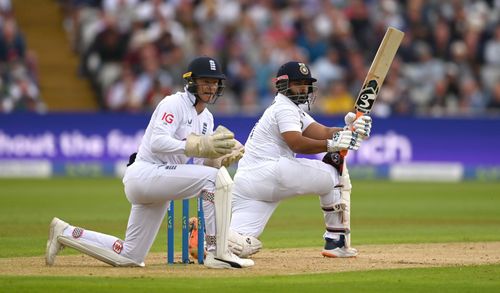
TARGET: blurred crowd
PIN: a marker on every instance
(19, 89)
(135, 51)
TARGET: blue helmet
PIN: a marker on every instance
(204, 67)
(295, 71)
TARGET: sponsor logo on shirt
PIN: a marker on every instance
(190, 121)
(169, 118)
(204, 130)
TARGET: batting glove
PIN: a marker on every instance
(361, 125)
(344, 140)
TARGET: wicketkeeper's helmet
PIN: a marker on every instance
(204, 67)
(293, 71)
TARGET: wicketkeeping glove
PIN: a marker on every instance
(228, 159)
(210, 146)
(344, 140)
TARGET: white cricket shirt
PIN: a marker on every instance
(265, 142)
(173, 120)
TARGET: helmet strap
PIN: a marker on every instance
(192, 87)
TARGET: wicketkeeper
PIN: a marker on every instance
(269, 171)
(180, 128)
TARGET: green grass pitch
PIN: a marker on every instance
(383, 213)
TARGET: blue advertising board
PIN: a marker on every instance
(98, 141)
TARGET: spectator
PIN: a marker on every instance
(102, 61)
(423, 74)
(12, 44)
(125, 93)
(22, 93)
(337, 100)
(329, 68)
(338, 38)
(494, 103)
(153, 79)
(472, 98)
(18, 71)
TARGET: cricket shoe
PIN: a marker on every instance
(193, 238)
(53, 246)
(227, 261)
(336, 248)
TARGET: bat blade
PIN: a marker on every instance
(378, 70)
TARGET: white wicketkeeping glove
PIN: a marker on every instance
(229, 159)
(210, 146)
(344, 140)
(362, 125)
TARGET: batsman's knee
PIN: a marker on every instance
(335, 160)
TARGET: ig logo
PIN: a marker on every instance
(169, 118)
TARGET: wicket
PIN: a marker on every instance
(185, 232)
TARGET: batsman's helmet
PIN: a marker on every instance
(204, 67)
(295, 71)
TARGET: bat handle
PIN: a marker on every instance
(343, 153)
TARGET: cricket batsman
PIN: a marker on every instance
(269, 171)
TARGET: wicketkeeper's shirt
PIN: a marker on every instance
(265, 142)
(173, 120)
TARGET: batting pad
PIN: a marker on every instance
(223, 194)
(107, 256)
(345, 191)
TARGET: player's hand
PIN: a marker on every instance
(210, 146)
(344, 140)
(362, 125)
(223, 130)
(234, 156)
(229, 159)
(236, 152)
(349, 119)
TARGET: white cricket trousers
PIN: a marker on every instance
(259, 189)
(150, 188)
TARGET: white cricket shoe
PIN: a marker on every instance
(352, 250)
(228, 261)
(336, 248)
(341, 252)
(53, 246)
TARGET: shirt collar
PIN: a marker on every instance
(282, 97)
(189, 96)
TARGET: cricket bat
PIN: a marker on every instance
(377, 72)
(367, 96)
